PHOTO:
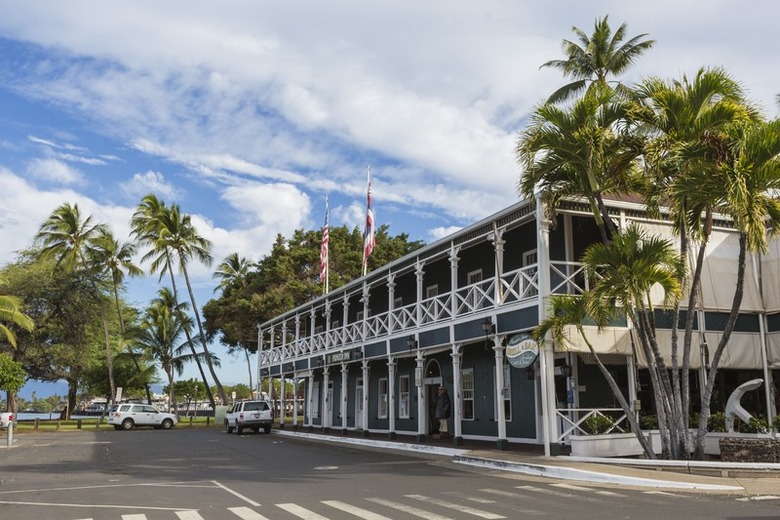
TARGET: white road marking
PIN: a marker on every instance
(107, 506)
(660, 493)
(456, 507)
(244, 513)
(589, 490)
(188, 515)
(508, 494)
(359, 512)
(557, 493)
(422, 513)
(758, 498)
(301, 512)
(237, 494)
(133, 517)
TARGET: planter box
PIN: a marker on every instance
(712, 440)
(606, 445)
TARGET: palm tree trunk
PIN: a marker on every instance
(249, 369)
(189, 342)
(220, 390)
(736, 302)
(109, 356)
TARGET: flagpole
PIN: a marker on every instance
(325, 251)
(368, 231)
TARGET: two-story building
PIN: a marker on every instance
(369, 356)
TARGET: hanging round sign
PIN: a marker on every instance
(521, 350)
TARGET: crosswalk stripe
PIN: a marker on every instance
(557, 493)
(589, 490)
(188, 515)
(422, 513)
(301, 512)
(457, 507)
(365, 514)
(244, 513)
(133, 517)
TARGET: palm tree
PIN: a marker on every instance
(621, 275)
(582, 150)
(11, 314)
(117, 259)
(164, 323)
(69, 239)
(567, 310)
(232, 272)
(596, 58)
(687, 122)
(749, 180)
(173, 239)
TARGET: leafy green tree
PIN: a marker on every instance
(11, 314)
(12, 378)
(70, 240)
(67, 338)
(190, 390)
(597, 58)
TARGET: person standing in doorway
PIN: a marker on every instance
(443, 407)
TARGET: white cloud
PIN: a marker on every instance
(149, 182)
(53, 170)
(441, 232)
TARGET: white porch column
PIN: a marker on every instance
(344, 392)
(501, 443)
(282, 401)
(546, 355)
(295, 403)
(453, 257)
(259, 362)
(422, 415)
(419, 274)
(309, 400)
(326, 414)
(457, 403)
(391, 395)
(498, 245)
(391, 319)
(366, 388)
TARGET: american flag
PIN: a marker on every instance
(369, 238)
(324, 250)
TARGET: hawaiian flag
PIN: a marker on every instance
(369, 237)
(324, 250)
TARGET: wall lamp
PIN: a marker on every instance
(411, 343)
(488, 328)
(565, 370)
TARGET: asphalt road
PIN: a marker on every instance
(194, 474)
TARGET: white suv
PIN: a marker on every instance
(127, 416)
(249, 414)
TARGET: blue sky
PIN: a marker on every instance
(247, 114)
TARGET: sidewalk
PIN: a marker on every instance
(753, 481)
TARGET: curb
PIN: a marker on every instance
(460, 456)
(566, 473)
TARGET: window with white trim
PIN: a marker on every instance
(404, 385)
(467, 394)
(382, 412)
(431, 291)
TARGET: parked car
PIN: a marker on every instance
(249, 414)
(127, 416)
(5, 419)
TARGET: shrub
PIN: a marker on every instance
(648, 422)
(597, 424)
(776, 423)
(716, 422)
(756, 425)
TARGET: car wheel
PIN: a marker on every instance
(239, 428)
(267, 429)
(167, 424)
(127, 424)
(228, 427)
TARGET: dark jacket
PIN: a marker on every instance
(443, 406)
